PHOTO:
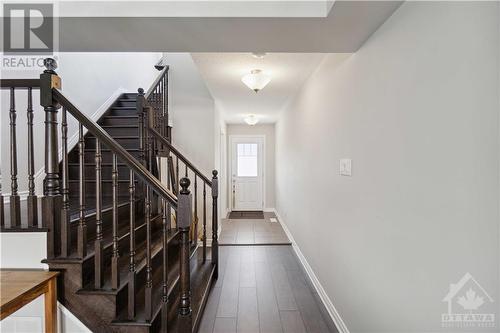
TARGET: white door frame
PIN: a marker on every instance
(262, 162)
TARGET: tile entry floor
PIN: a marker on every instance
(252, 231)
(263, 289)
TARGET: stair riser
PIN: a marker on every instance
(128, 110)
(124, 250)
(123, 172)
(106, 188)
(107, 222)
(157, 273)
(107, 157)
(122, 131)
(118, 121)
(90, 142)
(129, 96)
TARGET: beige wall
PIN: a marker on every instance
(417, 111)
(269, 170)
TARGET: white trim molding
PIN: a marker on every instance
(332, 311)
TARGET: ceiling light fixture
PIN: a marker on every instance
(256, 80)
(259, 55)
(251, 119)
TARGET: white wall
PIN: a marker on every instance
(194, 120)
(417, 110)
(88, 80)
(192, 112)
(221, 159)
(269, 169)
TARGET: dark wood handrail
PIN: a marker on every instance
(156, 82)
(19, 83)
(108, 141)
(179, 155)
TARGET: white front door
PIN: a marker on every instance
(246, 172)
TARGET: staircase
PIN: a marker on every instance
(132, 252)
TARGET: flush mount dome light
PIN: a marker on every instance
(258, 55)
(256, 80)
(251, 119)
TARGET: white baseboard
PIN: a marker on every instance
(332, 311)
(269, 210)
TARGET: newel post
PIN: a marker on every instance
(183, 223)
(140, 104)
(52, 200)
(215, 223)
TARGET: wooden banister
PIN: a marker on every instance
(140, 170)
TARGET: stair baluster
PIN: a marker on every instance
(65, 213)
(82, 225)
(195, 224)
(149, 269)
(164, 305)
(115, 271)
(171, 173)
(204, 222)
(165, 107)
(140, 115)
(32, 200)
(184, 223)
(15, 200)
(99, 255)
(2, 209)
(131, 270)
(215, 242)
(177, 174)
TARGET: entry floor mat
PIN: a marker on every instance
(246, 215)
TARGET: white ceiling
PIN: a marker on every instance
(348, 25)
(195, 8)
(223, 71)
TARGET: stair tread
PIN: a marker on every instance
(107, 203)
(102, 181)
(201, 282)
(122, 116)
(140, 259)
(120, 126)
(115, 137)
(201, 274)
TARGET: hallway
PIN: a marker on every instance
(266, 231)
(263, 289)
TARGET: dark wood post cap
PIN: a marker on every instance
(185, 182)
(50, 65)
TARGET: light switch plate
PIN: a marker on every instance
(345, 166)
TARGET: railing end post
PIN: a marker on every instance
(215, 223)
(183, 223)
(52, 201)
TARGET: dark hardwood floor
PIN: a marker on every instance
(263, 289)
